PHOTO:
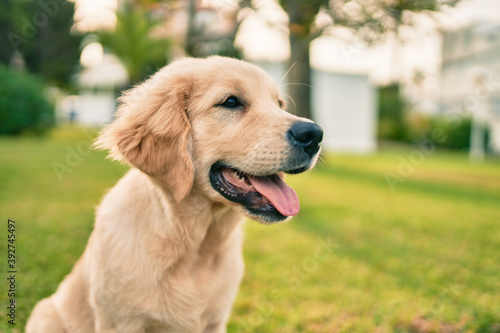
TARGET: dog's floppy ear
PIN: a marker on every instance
(152, 131)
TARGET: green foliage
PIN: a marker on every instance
(391, 110)
(134, 43)
(396, 123)
(40, 31)
(456, 133)
(358, 258)
(445, 131)
(11, 14)
(23, 106)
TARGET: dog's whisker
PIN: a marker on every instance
(288, 71)
(291, 99)
(298, 84)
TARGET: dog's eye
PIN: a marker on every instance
(231, 102)
(280, 103)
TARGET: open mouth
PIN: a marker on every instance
(268, 197)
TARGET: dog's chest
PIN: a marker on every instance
(196, 293)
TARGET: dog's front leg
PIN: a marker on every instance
(103, 323)
(215, 328)
(117, 322)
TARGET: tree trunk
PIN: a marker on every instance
(299, 77)
(191, 30)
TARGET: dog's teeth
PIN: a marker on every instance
(238, 173)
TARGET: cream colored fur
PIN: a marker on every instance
(166, 251)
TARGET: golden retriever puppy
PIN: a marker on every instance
(209, 143)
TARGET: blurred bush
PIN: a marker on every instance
(23, 105)
(454, 131)
(392, 110)
(397, 123)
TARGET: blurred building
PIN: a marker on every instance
(471, 75)
(343, 97)
(102, 75)
(345, 105)
(345, 72)
(344, 94)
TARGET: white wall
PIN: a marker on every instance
(345, 105)
(470, 75)
(95, 109)
(277, 70)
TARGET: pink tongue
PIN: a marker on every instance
(282, 196)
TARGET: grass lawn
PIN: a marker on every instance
(418, 254)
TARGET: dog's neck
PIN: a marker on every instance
(196, 227)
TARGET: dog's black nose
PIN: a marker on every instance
(306, 135)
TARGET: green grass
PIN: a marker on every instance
(423, 256)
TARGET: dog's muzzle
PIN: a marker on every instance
(266, 196)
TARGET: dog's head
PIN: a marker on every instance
(215, 126)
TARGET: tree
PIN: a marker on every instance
(8, 10)
(134, 43)
(41, 32)
(370, 19)
(200, 42)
